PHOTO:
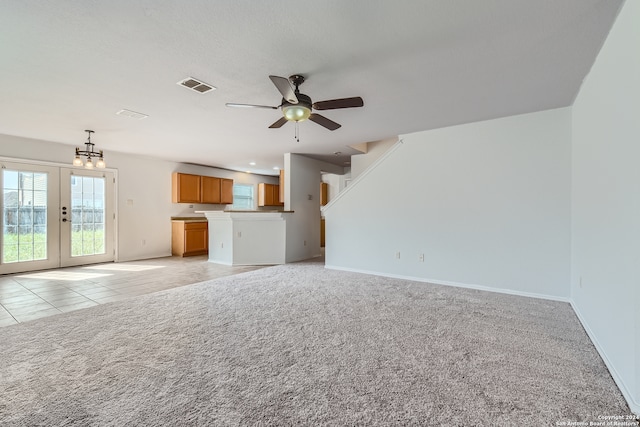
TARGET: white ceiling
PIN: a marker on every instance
(70, 65)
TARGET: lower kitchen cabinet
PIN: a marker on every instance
(189, 238)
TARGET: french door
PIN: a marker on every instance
(87, 216)
(54, 217)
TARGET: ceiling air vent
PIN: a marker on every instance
(132, 114)
(195, 84)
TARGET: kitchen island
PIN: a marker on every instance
(247, 237)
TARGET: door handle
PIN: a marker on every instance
(65, 220)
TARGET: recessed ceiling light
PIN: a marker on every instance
(248, 171)
(275, 168)
(197, 85)
(252, 163)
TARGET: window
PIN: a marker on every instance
(242, 197)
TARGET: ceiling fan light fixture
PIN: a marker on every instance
(296, 112)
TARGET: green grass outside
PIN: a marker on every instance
(33, 247)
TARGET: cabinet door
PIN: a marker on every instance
(211, 187)
(268, 194)
(226, 191)
(185, 188)
(196, 238)
(276, 196)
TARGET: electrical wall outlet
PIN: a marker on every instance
(398, 255)
(421, 257)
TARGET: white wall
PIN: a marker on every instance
(335, 184)
(606, 202)
(144, 192)
(375, 149)
(302, 195)
(488, 204)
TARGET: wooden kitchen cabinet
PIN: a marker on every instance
(226, 191)
(189, 238)
(268, 194)
(210, 189)
(187, 188)
(324, 193)
(281, 192)
(217, 190)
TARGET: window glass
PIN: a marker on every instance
(243, 197)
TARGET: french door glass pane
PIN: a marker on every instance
(24, 216)
(87, 216)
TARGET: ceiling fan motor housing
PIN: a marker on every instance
(297, 80)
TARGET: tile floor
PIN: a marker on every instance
(28, 296)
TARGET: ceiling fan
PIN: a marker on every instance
(297, 106)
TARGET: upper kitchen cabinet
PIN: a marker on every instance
(226, 191)
(210, 189)
(269, 195)
(187, 188)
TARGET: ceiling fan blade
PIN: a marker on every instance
(334, 104)
(285, 88)
(231, 104)
(323, 121)
(278, 124)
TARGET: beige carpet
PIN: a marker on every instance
(300, 345)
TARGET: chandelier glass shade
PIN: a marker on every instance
(89, 153)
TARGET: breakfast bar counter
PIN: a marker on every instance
(247, 237)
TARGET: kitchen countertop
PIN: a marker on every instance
(189, 218)
(271, 211)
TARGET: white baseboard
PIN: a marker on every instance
(455, 284)
(220, 261)
(633, 405)
(143, 257)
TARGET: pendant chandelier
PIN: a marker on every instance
(89, 153)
